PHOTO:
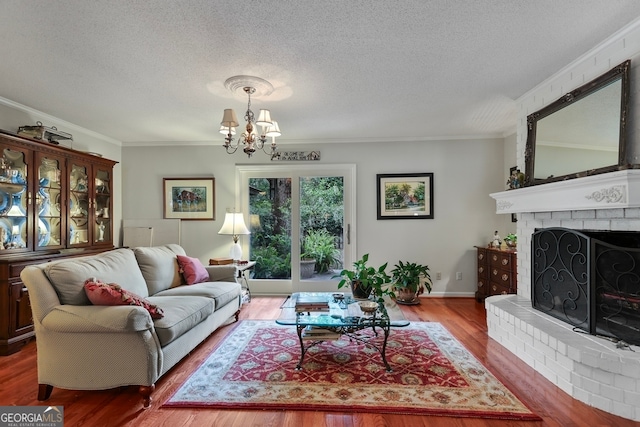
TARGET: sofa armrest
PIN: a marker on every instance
(222, 273)
(94, 318)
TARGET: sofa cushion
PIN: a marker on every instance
(221, 292)
(180, 315)
(192, 270)
(100, 293)
(118, 266)
(159, 266)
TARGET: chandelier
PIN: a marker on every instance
(251, 140)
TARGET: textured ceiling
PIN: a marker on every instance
(359, 70)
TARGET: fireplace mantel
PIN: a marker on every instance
(613, 190)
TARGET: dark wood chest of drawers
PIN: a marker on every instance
(497, 272)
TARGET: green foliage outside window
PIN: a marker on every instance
(321, 215)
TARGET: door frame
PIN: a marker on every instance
(348, 171)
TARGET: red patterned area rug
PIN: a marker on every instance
(433, 374)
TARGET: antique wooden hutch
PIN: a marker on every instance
(55, 203)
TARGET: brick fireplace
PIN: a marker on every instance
(590, 368)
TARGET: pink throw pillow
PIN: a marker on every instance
(100, 293)
(192, 270)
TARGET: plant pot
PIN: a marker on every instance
(511, 244)
(358, 291)
(406, 296)
(307, 267)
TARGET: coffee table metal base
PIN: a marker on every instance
(352, 332)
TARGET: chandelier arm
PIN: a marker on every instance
(273, 147)
(228, 144)
(228, 147)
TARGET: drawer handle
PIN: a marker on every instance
(480, 270)
(481, 256)
(480, 284)
(494, 288)
(505, 277)
(495, 272)
(505, 261)
(495, 257)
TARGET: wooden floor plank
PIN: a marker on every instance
(463, 317)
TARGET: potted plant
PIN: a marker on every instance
(319, 253)
(409, 281)
(511, 240)
(366, 280)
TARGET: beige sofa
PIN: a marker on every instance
(89, 347)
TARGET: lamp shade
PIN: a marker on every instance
(273, 130)
(264, 118)
(234, 224)
(229, 118)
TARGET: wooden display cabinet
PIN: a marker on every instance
(496, 272)
(52, 200)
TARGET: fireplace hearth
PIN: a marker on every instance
(589, 279)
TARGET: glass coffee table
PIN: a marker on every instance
(329, 316)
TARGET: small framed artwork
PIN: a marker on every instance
(189, 198)
(405, 196)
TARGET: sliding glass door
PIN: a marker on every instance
(301, 220)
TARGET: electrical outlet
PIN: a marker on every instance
(458, 275)
(438, 276)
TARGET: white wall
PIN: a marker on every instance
(465, 172)
(13, 115)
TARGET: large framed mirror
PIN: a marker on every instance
(583, 133)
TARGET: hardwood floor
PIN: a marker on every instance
(463, 317)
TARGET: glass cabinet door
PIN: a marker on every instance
(14, 198)
(102, 197)
(78, 227)
(49, 202)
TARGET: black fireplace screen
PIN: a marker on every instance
(589, 279)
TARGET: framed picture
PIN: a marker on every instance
(405, 196)
(189, 198)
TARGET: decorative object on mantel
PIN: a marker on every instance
(516, 178)
(250, 140)
(296, 155)
(39, 131)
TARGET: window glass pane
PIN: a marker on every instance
(270, 224)
(321, 227)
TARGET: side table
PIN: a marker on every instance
(243, 271)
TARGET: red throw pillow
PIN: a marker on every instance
(100, 293)
(192, 270)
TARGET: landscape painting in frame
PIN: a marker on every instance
(189, 198)
(405, 196)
